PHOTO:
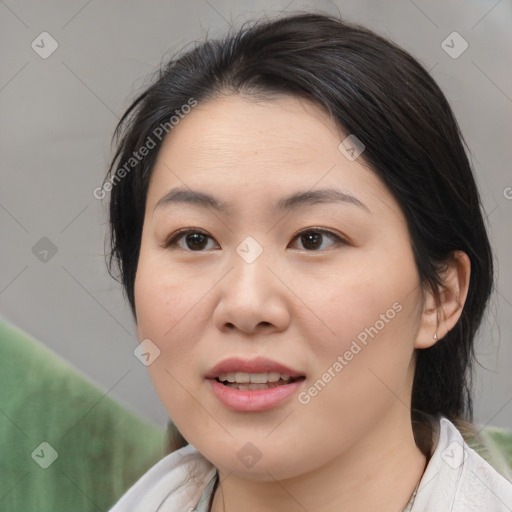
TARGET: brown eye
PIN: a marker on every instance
(197, 241)
(313, 239)
(194, 240)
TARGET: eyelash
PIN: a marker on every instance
(172, 241)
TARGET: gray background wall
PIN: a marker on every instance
(58, 113)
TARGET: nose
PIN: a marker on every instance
(252, 299)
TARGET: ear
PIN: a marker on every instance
(439, 317)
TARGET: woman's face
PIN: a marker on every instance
(323, 283)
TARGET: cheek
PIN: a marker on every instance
(171, 312)
(362, 369)
(164, 297)
(369, 316)
(351, 304)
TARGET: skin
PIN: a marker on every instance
(351, 447)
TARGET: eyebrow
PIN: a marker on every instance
(295, 201)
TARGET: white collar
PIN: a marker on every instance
(456, 479)
(175, 483)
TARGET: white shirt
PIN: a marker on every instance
(456, 479)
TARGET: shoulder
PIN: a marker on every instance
(458, 479)
(175, 483)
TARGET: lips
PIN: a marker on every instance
(253, 397)
(257, 365)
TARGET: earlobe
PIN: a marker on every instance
(428, 332)
(440, 316)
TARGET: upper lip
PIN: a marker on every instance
(257, 365)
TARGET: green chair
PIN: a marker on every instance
(494, 444)
(66, 446)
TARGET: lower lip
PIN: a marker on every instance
(256, 400)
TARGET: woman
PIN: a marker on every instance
(299, 235)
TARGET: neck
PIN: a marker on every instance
(380, 473)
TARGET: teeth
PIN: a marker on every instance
(253, 378)
(252, 387)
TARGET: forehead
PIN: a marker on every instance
(285, 128)
(235, 147)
